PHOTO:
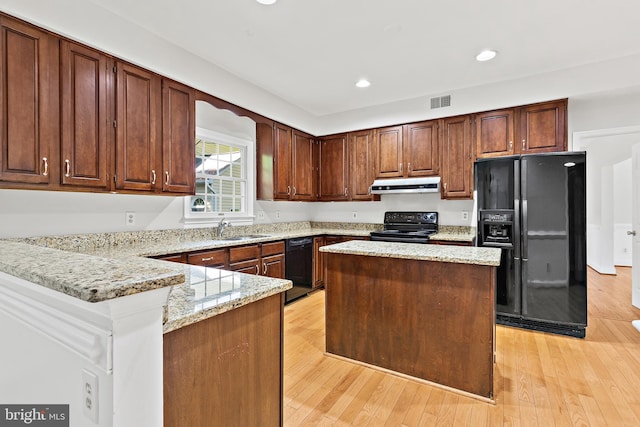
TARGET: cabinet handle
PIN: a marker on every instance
(510, 145)
(346, 192)
(409, 167)
(445, 187)
(46, 166)
(264, 268)
(206, 259)
(153, 174)
(67, 168)
(288, 190)
(166, 177)
(257, 269)
(400, 167)
(294, 190)
(523, 144)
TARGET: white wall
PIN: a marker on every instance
(622, 208)
(606, 126)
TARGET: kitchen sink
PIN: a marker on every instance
(246, 237)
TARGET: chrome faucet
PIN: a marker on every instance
(222, 225)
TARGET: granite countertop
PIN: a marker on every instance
(210, 291)
(441, 253)
(102, 266)
(86, 277)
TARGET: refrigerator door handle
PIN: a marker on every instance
(517, 286)
(524, 288)
(524, 226)
(517, 248)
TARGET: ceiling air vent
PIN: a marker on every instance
(441, 101)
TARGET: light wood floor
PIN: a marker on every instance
(540, 379)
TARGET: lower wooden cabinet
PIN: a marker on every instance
(320, 259)
(226, 370)
(216, 258)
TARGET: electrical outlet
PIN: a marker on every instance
(354, 215)
(130, 218)
(465, 215)
(90, 395)
(260, 214)
(277, 214)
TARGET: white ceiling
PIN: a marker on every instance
(310, 53)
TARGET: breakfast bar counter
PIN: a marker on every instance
(422, 311)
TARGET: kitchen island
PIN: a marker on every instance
(423, 311)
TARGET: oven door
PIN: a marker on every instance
(398, 236)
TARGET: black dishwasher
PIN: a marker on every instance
(299, 266)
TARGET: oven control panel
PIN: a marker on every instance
(411, 218)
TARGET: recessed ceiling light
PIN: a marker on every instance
(486, 55)
(363, 83)
(266, 1)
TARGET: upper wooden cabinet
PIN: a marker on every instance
(138, 128)
(333, 174)
(293, 154)
(85, 128)
(71, 119)
(536, 128)
(282, 162)
(494, 133)
(361, 164)
(421, 153)
(457, 158)
(29, 104)
(543, 127)
(178, 138)
(407, 151)
(303, 166)
(389, 161)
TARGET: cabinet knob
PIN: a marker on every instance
(67, 168)
(46, 166)
(153, 177)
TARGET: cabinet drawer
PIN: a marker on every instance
(251, 266)
(182, 258)
(272, 248)
(243, 253)
(215, 257)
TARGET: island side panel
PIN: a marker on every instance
(227, 369)
(430, 320)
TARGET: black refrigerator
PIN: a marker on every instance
(534, 208)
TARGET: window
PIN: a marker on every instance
(222, 177)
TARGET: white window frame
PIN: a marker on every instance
(198, 219)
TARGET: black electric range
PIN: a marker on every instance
(407, 227)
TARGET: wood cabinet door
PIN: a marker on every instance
(251, 266)
(388, 152)
(138, 128)
(543, 127)
(318, 262)
(282, 163)
(494, 133)
(85, 116)
(333, 180)
(421, 152)
(265, 161)
(361, 165)
(29, 103)
(303, 167)
(457, 160)
(273, 266)
(178, 138)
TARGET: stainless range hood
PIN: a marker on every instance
(429, 184)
